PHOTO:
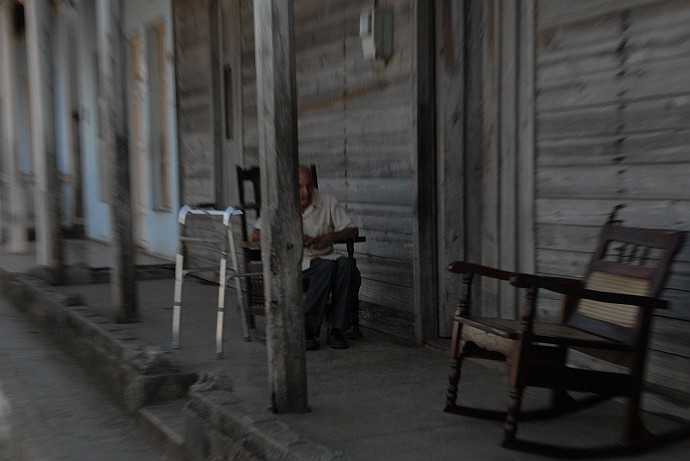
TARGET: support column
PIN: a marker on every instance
(14, 206)
(281, 232)
(424, 177)
(67, 69)
(114, 144)
(46, 180)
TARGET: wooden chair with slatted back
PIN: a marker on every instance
(607, 316)
(249, 184)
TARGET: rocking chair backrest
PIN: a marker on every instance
(631, 261)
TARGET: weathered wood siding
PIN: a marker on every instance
(485, 123)
(194, 101)
(356, 124)
(613, 127)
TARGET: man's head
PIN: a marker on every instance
(306, 186)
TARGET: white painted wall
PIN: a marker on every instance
(96, 212)
(159, 227)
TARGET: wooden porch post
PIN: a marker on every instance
(281, 232)
(425, 235)
(66, 65)
(15, 201)
(44, 154)
(115, 155)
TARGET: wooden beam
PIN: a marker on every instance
(490, 153)
(281, 231)
(526, 254)
(66, 66)
(46, 180)
(18, 239)
(115, 155)
(425, 249)
(451, 101)
(219, 161)
(507, 44)
(473, 39)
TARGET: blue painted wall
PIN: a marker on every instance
(159, 227)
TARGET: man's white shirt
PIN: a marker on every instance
(324, 215)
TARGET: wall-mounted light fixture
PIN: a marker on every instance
(376, 32)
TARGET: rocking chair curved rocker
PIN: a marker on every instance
(607, 315)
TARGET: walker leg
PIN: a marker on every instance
(238, 286)
(243, 310)
(177, 302)
(221, 308)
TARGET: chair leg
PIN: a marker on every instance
(353, 300)
(510, 424)
(633, 431)
(560, 398)
(517, 389)
(456, 357)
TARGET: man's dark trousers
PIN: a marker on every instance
(324, 276)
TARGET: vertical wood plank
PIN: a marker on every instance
(69, 17)
(42, 113)
(491, 167)
(508, 42)
(197, 177)
(15, 200)
(474, 126)
(136, 132)
(525, 143)
(424, 176)
(281, 232)
(66, 68)
(450, 103)
(215, 22)
(115, 155)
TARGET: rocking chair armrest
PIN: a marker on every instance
(350, 244)
(462, 267)
(557, 285)
(357, 239)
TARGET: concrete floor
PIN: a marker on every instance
(377, 400)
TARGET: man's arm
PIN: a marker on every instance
(322, 241)
(319, 242)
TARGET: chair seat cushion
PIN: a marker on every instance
(548, 333)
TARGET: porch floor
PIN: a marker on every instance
(379, 399)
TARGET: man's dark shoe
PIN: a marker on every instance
(336, 339)
(311, 343)
(353, 334)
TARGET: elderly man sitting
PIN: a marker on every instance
(324, 221)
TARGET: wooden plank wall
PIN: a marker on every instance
(193, 84)
(612, 115)
(451, 39)
(356, 124)
(485, 147)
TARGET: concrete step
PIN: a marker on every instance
(163, 427)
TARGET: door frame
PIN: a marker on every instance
(227, 84)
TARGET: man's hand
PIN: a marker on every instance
(317, 243)
(322, 241)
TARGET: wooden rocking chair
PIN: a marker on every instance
(607, 315)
